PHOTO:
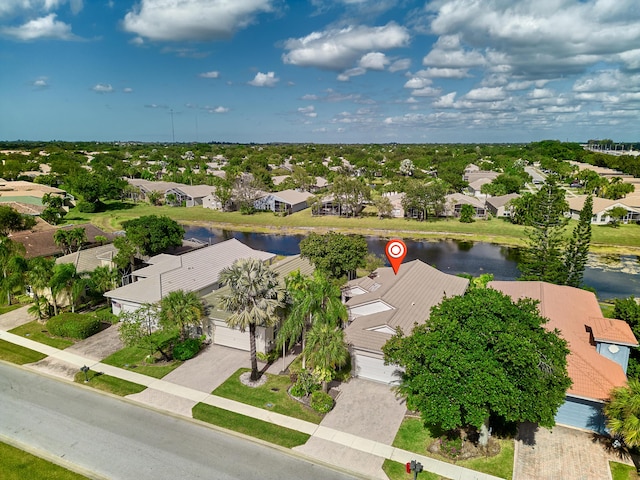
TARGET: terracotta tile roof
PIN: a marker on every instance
(410, 294)
(574, 313)
(612, 331)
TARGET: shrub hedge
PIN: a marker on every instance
(73, 325)
(321, 402)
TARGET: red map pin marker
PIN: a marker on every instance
(396, 250)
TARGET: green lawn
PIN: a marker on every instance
(621, 471)
(626, 238)
(17, 464)
(10, 352)
(413, 437)
(271, 396)
(38, 332)
(266, 431)
(106, 383)
(133, 358)
(8, 308)
(397, 471)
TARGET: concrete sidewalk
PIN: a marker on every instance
(190, 395)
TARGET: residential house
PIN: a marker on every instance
(601, 209)
(454, 201)
(189, 195)
(599, 347)
(286, 201)
(87, 260)
(382, 302)
(194, 271)
(500, 206)
(41, 243)
(216, 327)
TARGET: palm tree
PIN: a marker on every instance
(255, 298)
(66, 279)
(314, 300)
(623, 413)
(13, 266)
(181, 310)
(326, 350)
(39, 277)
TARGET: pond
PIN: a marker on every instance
(612, 276)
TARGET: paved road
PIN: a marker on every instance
(118, 440)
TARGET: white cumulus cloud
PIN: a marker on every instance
(43, 27)
(102, 88)
(264, 80)
(200, 20)
(339, 49)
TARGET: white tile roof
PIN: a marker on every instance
(191, 272)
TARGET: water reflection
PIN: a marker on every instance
(613, 276)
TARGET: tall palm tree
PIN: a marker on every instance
(255, 298)
(13, 267)
(623, 413)
(39, 277)
(314, 300)
(66, 279)
(181, 310)
(326, 350)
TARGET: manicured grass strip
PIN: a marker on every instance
(38, 332)
(8, 308)
(10, 352)
(620, 471)
(397, 471)
(271, 396)
(133, 358)
(106, 383)
(266, 431)
(17, 464)
(413, 437)
(604, 238)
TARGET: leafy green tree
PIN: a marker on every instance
(576, 253)
(384, 206)
(350, 193)
(12, 221)
(481, 355)
(628, 310)
(467, 212)
(616, 214)
(181, 310)
(542, 258)
(326, 350)
(254, 298)
(152, 234)
(335, 254)
(623, 413)
(139, 329)
(53, 213)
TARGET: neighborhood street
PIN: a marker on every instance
(118, 440)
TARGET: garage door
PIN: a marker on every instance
(581, 413)
(371, 368)
(230, 337)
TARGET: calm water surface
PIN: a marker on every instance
(611, 276)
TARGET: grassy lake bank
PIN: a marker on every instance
(624, 240)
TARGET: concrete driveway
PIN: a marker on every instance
(15, 318)
(205, 373)
(366, 409)
(559, 454)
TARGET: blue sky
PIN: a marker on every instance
(323, 71)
